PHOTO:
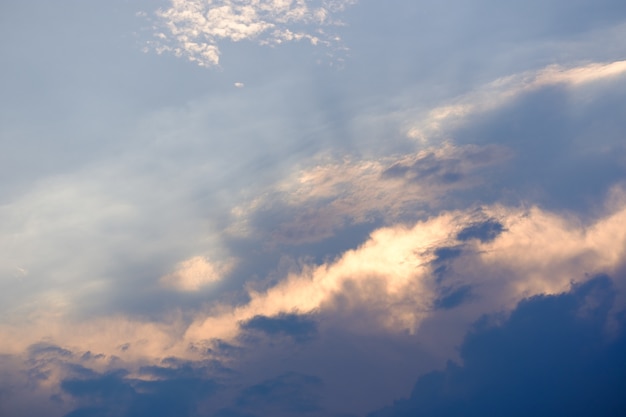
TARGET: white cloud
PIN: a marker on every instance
(195, 273)
(194, 28)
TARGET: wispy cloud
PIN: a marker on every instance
(318, 201)
(195, 28)
(436, 122)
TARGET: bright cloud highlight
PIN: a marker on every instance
(194, 28)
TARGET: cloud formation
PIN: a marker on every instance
(194, 28)
(319, 201)
(553, 354)
(195, 273)
(441, 120)
(314, 241)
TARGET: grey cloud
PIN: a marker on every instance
(47, 349)
(300, 328)
(432, 168)
(454, 297)
(553, 354)
(341, 195)
(568, 145)
(485, 231)
(177, 392)
(447, 253)
(285, 394)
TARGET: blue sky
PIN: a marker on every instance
(316, 208)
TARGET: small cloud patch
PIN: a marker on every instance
(195, 273)
(300, 328)
(454, 297)
(194, 28)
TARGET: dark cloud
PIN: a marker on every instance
(447, 253)
(46, 349)
(552, 356)
(433, 168)
(444, 257)
(291, 392)
(484, 231)
(454, 297)
(166, 391)
(300, 328)
(568, 145)
(88, 355)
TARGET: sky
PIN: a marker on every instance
(319, 208)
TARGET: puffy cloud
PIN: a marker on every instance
(194, 28)
(195, 273)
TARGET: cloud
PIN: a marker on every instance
(117, 393)
(443, 119)
(395, 276)
(300, 328)
(286, 394)
(362, 257)
(327, 197)
(390, 286)
(195, 273)
(194, 28)
(397, 279)
(485, 231)
(551, 355)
